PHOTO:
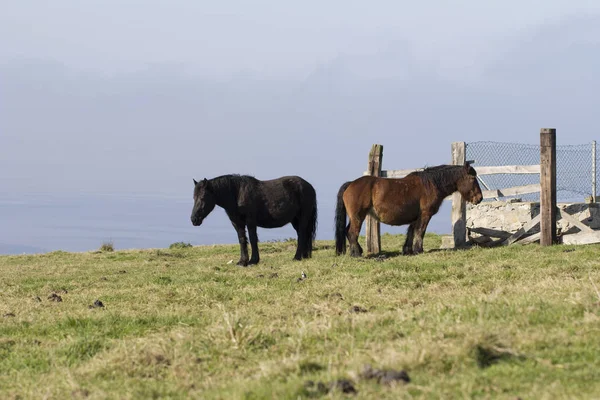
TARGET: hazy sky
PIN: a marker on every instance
(138, 97)
(271, 38)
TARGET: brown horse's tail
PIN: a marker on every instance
(340, 221)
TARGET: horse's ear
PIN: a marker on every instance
(195, 183)
(205, 181)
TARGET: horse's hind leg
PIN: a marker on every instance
(255, 258)
(408, 244)
(353, 234)
(308, 229)
(302, 226)
(420, 228)
(360, 249)
(299, 248)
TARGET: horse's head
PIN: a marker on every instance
(468, 186)
(204, 201)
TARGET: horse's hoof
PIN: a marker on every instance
(253, 262)
(242, 263)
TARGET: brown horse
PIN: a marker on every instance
(411, 200)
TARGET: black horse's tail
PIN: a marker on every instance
(340, 221)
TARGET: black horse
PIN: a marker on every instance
(253, 203)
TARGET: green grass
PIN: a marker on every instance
(519, 321)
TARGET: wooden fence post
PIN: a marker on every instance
(459, 207)
(548, 186)
(373, 228)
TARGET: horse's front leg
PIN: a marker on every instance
(253, 244)
(240, 228)
(420, 228)
(407, 249)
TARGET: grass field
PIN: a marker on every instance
(516, 322)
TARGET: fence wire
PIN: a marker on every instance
(574, 168)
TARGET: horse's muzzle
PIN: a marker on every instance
(196, 221)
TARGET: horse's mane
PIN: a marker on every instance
(443, 177)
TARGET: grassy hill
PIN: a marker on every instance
(520, 321)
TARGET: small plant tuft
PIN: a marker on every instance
(180, 245)
(308, 367)
(163, 280)
(107, 246)
(489, 351)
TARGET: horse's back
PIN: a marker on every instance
(287, 180)
(379, 186)
(393, 201)
(288, 185)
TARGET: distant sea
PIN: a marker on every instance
(39, 223)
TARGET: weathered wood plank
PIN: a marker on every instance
(485, 185)
(490, 194)
(398, 173)
(459, 207)
(395, 173)
(508, 169)
(529, 239)
(515, 236)
(548, 186)
(501, 169)
(480, 240)
(494, 243)
(582, 238)
(582, 227)
(512, 191)
(373, 234)
(490, 232)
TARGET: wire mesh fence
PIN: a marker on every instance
(575, 167)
